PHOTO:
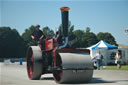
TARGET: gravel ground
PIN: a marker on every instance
(15, 74)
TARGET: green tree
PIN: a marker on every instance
(11, 44)
(47, 31)
(88, 29)
(27, 35)
(88, 38)
(79, 34)
(21, 45)
(72, 37)
(107, 37)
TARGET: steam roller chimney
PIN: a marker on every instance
(64, 13)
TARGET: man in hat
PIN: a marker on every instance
(38, 36)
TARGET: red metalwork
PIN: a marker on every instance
(49, 44)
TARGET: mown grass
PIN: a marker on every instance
(123, 67)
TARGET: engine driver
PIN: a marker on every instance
(38, 36)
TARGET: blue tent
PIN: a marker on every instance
(103, 45)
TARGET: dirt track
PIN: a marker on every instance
(15, 74)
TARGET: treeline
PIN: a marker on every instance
(12, 44)
(86, 38)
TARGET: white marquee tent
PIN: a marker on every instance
(103, 47)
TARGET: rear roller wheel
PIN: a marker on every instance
(34, 63)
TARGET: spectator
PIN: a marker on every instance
(117, 59)
(98, 58)
(102, 61)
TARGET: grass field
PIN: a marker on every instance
(123, 67)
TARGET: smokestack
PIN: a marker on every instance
(64, 13)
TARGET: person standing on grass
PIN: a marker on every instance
(102, 61)
(117, 59)
(98, 58)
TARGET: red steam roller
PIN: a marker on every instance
(68, 65)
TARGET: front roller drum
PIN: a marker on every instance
(34, 62)
(74, 68)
